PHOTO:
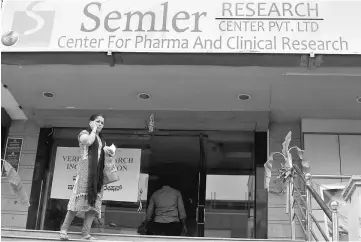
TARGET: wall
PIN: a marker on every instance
(279, 226)
(333, 147)
(13, 214)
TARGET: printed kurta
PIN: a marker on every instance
(79, 199)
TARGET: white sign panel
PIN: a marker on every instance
(127, 161)
(143, 186)
(217, 26)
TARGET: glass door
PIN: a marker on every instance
(177, 159)
(226, 188)
(118, 216)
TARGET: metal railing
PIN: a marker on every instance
(307, 218)
(331, 177)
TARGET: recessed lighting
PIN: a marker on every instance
(143, 96)
(358, 99)
(70, 107)
(244, 97)
(49, 94)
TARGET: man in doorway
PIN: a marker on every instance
(167, 206)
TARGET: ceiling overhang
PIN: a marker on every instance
(164, 119)
(241, 59)
(194, 96)
(9, 103)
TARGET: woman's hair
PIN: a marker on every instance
(95, 116)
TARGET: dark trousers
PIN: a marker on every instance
(167, 229)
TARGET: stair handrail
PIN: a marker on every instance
(287, 174)
(307, 181)
(331, 176)
(331, 212)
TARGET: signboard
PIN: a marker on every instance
(187, 26)
(127, 161)
(13, 153)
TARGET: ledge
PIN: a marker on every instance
(354, 181)
(216, 59)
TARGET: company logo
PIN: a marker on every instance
(34, 28)
(10, 38)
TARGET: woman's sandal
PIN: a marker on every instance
(88, 237)
(63, 235)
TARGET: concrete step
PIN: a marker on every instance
(8, 234)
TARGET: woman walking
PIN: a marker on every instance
(88, 188)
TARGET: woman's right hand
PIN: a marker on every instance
(108, 151)
(93, 126)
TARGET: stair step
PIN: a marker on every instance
(41, 235)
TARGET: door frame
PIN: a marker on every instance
(201, 188)
(260, 203)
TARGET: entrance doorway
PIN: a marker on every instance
(215, 175)
(213, 170)
(178, 159)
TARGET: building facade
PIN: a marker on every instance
(225, 81)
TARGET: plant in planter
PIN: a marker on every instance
(287, 171)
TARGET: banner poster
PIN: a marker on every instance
(143, 186)
(13, 153)
(125, 190)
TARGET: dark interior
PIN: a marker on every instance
(177, 159)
